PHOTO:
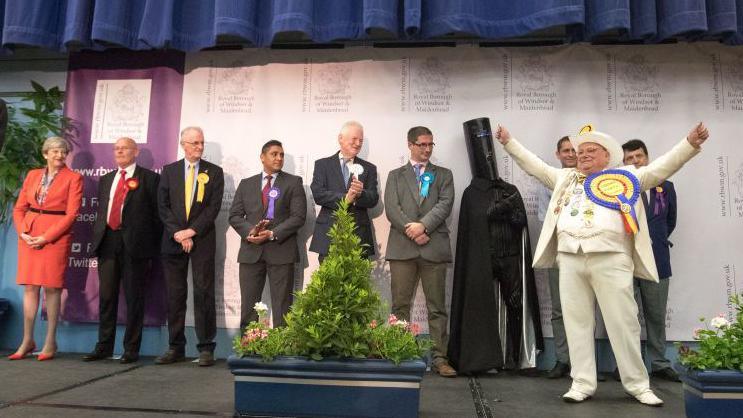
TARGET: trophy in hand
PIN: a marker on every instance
(259, 227)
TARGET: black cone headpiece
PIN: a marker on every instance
(479, 139)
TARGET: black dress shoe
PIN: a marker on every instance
(127, 358)
(560, 370)
(206, 359)
(97, 355)
(666, 374)
(170, 356)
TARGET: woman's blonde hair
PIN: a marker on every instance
(56, 142)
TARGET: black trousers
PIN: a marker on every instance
(116, 269)
(175, 268)
(252, 282)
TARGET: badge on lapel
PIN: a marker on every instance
(201, 181)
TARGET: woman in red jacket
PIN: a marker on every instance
(43, 215)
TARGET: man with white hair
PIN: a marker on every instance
(344, 175)
(189, 199)
(596, 231)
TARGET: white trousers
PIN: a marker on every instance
(607, 278)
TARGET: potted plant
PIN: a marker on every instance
(336, 356)
(24, 137)
(712, 372)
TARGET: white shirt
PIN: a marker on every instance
(129, 173)
(602, 232)
(264, 179)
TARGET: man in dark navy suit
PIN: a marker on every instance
(344, 175)
(189, 200)
(126, 236)
(660, 206)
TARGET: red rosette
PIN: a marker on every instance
(132, 183)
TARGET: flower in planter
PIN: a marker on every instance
(262, 311)
(338, 314)
(720, 344)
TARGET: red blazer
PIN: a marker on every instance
(46, 267)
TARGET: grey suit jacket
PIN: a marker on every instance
(290, 211)
(403, 205)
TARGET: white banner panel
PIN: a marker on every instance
(656, 93)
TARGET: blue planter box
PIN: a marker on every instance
(299, 387)
(712, 393)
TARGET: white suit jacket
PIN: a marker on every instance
(558, 178)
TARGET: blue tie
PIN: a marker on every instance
(417, 169)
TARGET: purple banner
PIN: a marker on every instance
(109, 95)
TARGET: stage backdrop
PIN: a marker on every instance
(134, 94)
(656, 93)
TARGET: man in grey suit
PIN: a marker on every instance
(418, 198)
(267, 211)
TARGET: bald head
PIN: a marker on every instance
(125, 152)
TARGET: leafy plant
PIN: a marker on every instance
(24, 137)
(338, 314)
(720, 346)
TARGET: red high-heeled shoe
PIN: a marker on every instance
(21, 356)
(44, 357)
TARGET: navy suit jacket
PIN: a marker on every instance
(661, 225)
(328, 189)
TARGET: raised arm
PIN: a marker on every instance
(667, 164)
(527, 160)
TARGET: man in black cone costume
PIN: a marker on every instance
(492, 267)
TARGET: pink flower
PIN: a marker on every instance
(414, 328)
(696, 332)
(373, 324)
(392, 320)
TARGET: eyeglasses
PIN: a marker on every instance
(429, 145)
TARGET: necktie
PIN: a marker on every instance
(114, 219)
(189, 189)
(346, 172)
(418, 168)
(266, 188)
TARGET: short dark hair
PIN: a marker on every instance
(634, 145)
(269, 144)
(561, 140)
(417, 131)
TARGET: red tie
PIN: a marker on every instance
(266, 188)
(114, 219)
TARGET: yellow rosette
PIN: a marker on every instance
(616, 189)
(201, 180)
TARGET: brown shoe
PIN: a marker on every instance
(444, 369)
(206, 359)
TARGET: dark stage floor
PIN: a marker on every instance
(67, 386)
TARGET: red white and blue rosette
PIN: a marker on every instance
(616, 189)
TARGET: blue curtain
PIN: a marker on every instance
(191, 25)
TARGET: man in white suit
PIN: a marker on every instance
(596, 231)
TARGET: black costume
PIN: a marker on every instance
(493, 254)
